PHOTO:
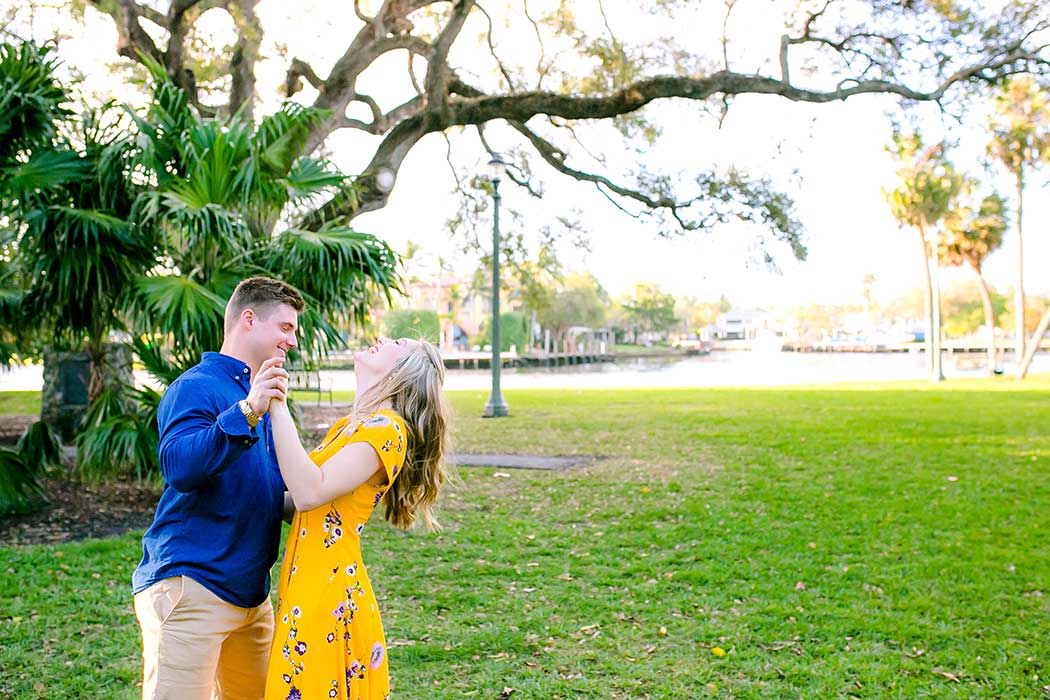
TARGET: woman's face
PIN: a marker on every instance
(378, 360)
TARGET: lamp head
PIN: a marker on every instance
(497, 168)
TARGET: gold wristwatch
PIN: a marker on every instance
(249, 415)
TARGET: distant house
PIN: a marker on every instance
(741, 324)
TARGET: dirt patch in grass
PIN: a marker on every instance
(77, 511)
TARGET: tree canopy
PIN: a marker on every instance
(553, 70)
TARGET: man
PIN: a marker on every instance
(202, 588)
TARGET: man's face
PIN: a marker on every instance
(272, 331)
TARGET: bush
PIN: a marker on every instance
(120, 437)
(21, 467)
(513, 330)
(412, 323)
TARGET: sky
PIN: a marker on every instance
(837, 149)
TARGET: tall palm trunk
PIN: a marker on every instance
(936, 369)
(1033, 347)
(927, 300)
(1019, 290)
(989, 316)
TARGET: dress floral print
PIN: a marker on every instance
(328, 640)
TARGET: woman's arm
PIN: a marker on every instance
(308, 485)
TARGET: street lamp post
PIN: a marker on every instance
(496, 406)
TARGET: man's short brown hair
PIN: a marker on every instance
(260, 294)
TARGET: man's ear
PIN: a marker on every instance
(247, 318)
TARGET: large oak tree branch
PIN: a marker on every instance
(438, 72)
(473, 107)
(245, 55)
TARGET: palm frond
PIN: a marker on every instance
(122, 445)
(43, 171)
(310, 177)
(280, 137)
(341, 268)
(31, 100)
(82, 262)
(20, 488)
(164, 364)
(180, 308)
(39, 445)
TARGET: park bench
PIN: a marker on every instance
(303, 379)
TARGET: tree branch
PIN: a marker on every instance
(492, 50)
(541, 70)
(438, 72)
(512, 170)
(132, 39)
(300, 69)
(556, 157)
(245, 55)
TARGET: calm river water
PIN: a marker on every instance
(716, 369)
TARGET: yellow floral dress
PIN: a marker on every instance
(328, 640)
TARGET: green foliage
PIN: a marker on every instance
(963, 312)
(513, 330)
(648, 309)
(1021, 125)
(928, 182)
(31, 100)
(579, 301)
(120, 436)
(412, 323)
(146, 226)
(972, 234)
(23, 465)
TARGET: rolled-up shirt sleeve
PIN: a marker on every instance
(198, 442)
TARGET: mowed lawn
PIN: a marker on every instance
(869, 541)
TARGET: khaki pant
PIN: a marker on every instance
(196, 646)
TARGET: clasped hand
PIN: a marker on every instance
(270, 383)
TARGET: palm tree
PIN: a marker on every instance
(970, 237)
(928, 185)
(146, 227)
(1020, 141)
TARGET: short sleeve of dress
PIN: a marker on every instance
(385, 431)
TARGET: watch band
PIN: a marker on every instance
(249, 415)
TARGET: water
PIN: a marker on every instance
(716, 369)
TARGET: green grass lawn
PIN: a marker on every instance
(20, 402)
(878, 541)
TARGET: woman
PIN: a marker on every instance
(328, 639)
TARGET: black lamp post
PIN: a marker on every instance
(496, 406)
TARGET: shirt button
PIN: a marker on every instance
(247, 443)
(245, 370)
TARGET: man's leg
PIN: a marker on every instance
(246, 654)
(182, 635)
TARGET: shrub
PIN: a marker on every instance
(513, 330)
(412, 323)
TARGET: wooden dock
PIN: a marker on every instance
(483, 360)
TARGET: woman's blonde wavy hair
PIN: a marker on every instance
(413, 386)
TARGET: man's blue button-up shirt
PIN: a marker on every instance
(219, 517)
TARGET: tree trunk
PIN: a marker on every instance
(1019, 290)
(1033, 347)
(989, 317)
(936, 368)
(927, 301)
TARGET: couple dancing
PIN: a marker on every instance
(233, 467)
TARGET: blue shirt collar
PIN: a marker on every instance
(231, 365)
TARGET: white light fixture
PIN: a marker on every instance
(497, 168)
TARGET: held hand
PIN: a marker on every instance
(270, 382)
